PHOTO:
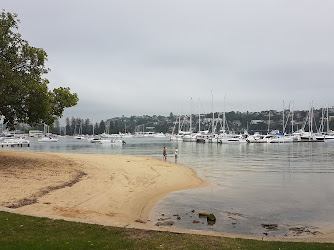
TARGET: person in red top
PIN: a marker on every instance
(164, 153)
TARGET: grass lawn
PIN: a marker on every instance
(27, 232)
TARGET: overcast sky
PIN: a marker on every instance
(151, 57)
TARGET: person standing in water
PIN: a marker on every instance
(164, 153)
(176, 154)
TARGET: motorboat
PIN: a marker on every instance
(213, 138)
(80, 137)
(94, 140)
(126, 135)
(302, 136)
(159, 135)
(48, 139)
(258, 138)
(106, 135)
(281, 138)
(207, 138)
(190, 137)
(177, 137)
(232, 138)
(14, 141)
(329, 135)
(110, 142)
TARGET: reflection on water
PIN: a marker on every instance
(253, 185)
(290, 185)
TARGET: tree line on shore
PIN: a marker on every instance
(236, 122)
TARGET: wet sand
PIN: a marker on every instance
(104, 189)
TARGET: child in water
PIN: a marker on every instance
(176, 154)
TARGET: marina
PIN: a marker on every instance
(285, 184)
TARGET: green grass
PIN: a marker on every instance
(27, 232)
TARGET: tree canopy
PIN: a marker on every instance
(24, 93)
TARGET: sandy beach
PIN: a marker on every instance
(105, 188)
(112, 190)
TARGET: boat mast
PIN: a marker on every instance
(213, 114)
(224, 115)
(174, 126)
(190, 126)
(180, 121)
(322, 120)
(269, 122)
(199, 115)
(80, 133)
(283, 118)
(93, 126)
(292, 117)
(311, 118)
(327, 121)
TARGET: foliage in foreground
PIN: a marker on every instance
(24, 94)
(26, 232)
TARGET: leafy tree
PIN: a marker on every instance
(112, 128)
(171, 116)
(56, 127)
(116, 127)
(80, 123)
(96, 129)
(67, 127)
(87, 128)
(24, 94)
(102, 127)
(73, 126)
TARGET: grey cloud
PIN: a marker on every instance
(141, 57)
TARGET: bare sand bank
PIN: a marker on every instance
(97, 187)
(104, 189)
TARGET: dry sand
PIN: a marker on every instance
(104, 189)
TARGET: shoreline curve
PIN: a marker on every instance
(112, 190)
(89, 186)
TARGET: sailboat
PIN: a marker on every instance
(80, 136)
(178, 136)
(308, 136)
(228, 138)
(48, 137)
(213, 136)
(224, 135)
(283, 137)
(329, 134)
(189, 136)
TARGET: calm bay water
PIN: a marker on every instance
(290, 184)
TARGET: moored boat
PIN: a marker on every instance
(8, 141)
(258, 138)
(281, 138)
(48, 139)
(110, 142)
